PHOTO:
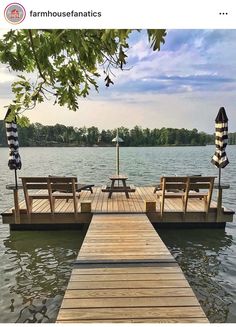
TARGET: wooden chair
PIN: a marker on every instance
(186, 188)
(204, 186)
(63, 188)
(54, 187)
(173, 187)
(79, 187)
(36, 184)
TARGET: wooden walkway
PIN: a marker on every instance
(125, 273)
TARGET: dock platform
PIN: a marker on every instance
(143, 200)
(125, 273)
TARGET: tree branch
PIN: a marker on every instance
(35, 56)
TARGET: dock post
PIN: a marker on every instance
(219, 204)
(16, 204)
(86, 206)
(150, 206)
(220, 189)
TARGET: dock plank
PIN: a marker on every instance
(153, 320)
(130, 313)
(124, 292)
(187, 301)
(128, 270)
(121, 277)
(126, 284)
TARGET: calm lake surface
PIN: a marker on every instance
(35, 266)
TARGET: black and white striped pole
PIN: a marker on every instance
(14, 161)
(220, 159)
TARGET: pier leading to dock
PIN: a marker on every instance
(125, 273)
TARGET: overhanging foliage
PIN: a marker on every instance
(67, 63)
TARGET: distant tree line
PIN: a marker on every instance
(60, 135)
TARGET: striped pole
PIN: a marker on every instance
(220, 159)
(14, 161)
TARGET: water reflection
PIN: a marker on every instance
(204, 257)
(36, 273)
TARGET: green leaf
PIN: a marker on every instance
(65, 63)
(156, 37)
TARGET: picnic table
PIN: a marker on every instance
(118, 188)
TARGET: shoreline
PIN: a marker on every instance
(106, 146)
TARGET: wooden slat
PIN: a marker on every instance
(130, 313)
(124, 292)
(126, 277)
(172, 301)
(144, 320)
(127, 284)
(128, 270)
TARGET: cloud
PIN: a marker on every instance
(5, 75)
(5, 90)
(6, 79)
(177, 84)
(183, 85)
(190, 61)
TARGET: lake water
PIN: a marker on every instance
(35, 266)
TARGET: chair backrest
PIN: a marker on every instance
(34, 183)
(187, 184)
(51, 184)
(201, 182)
(63, 184)
(173, 183)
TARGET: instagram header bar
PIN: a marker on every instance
(120, 14)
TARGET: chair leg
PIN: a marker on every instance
(162, 203)
(30, 204)
(53, 204)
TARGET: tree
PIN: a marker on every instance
(93, 135)
(147, 137)
(155, 136)
(40, 135)
(104, 138)
(67, 63)
(124, 134)
(136, 135)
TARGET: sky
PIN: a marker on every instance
(181, 86)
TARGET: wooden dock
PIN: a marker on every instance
(98, 202)
(125, 273)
